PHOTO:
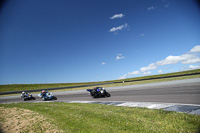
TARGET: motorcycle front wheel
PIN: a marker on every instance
(25, 99)
(54, 98)
(108, 94)
(33, 98)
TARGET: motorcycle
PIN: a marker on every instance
(98, 92)
(47, 96)
(27, 96)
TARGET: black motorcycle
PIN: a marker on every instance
(98, 92)
(26, 96)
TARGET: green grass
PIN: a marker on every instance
(75, 117)
(22, 87)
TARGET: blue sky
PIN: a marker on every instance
(60, 41)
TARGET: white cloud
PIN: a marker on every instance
(160, 71)
(151, 8)
(124, 26)
(119, 56)
(134, 73)
(147, 73)
(194, 67)
(192, 61)
(184, 59)
(189, 58)
(149, 67)
(117, 16)
(195, 49)
(175, 59)
(129, 74)
(123, 77)
(103, 63)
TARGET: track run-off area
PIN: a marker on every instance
(179, 95)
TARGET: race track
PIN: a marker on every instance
(181, 91)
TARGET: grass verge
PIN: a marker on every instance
(75, 117)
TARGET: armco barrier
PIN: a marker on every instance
(16, 92)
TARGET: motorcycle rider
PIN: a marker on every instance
(24, 94)
(43, 93)
(97, 89)
(104, 90)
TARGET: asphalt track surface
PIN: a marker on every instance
(181, 91)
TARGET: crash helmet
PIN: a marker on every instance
(23, 92)
(43, 91)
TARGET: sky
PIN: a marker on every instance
(65, 41)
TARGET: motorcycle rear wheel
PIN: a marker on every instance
(25, 99)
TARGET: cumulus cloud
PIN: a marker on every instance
(130, 74)
(149, 67)
(147, 73)
(117, 16)
(160, 71)
(119, 56)
(194, 67)
(175, 59)
(123, 77)
(134, 73)
(192, 61)
(195, 49)
(121, 27)
(188, 58)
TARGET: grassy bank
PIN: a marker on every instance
(21, 87)
(163, 75)
(74, 117)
